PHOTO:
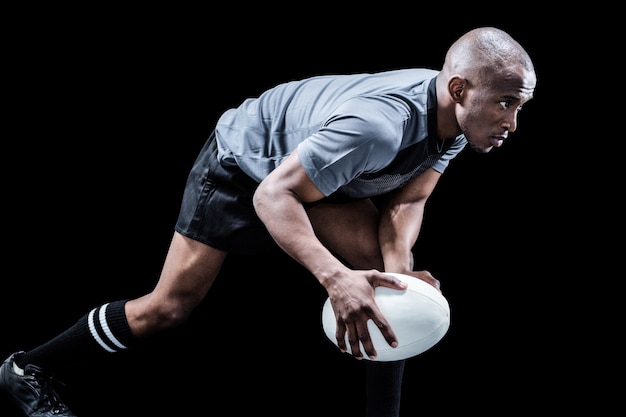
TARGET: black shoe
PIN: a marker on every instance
(33, 392)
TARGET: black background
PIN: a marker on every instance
(105, 112)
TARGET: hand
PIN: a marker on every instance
(425, 276)
(352, 298)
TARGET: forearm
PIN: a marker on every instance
(287, 222)
(398, 232)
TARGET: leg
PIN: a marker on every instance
(189, 271)
(351, 231)
(383, 388)
(212, 192)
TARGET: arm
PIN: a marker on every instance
(401, 222)
(278, 203)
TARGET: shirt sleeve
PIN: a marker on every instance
(363, 135)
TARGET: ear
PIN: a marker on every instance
(456, 87)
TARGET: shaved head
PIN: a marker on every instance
(483, 52)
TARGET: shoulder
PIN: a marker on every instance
(373, 114)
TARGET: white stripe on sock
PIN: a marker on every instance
(94, 333)
(107, 330)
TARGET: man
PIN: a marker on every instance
(336, 170)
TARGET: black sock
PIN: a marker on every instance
(103, 330)
(383, 388)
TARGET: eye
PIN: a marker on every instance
(507, 103)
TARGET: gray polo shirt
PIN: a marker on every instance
(357, 135)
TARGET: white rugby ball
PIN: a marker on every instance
(419, 316)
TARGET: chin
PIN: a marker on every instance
(480, 149)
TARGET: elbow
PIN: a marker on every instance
(260, 198)
(257, 199)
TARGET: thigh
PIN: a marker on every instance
(350, 230)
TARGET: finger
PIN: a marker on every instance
(353, 340)
(366, 341)
(340, 335)
(387, 332)
(390, 281)
(427, 277)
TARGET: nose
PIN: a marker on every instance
(510, 123)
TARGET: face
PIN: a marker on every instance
(488, 113)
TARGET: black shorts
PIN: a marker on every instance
(217, 206)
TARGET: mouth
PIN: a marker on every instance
(496, 141)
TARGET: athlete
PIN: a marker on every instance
(334, 169)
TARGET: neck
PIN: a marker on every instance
(447, 126)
